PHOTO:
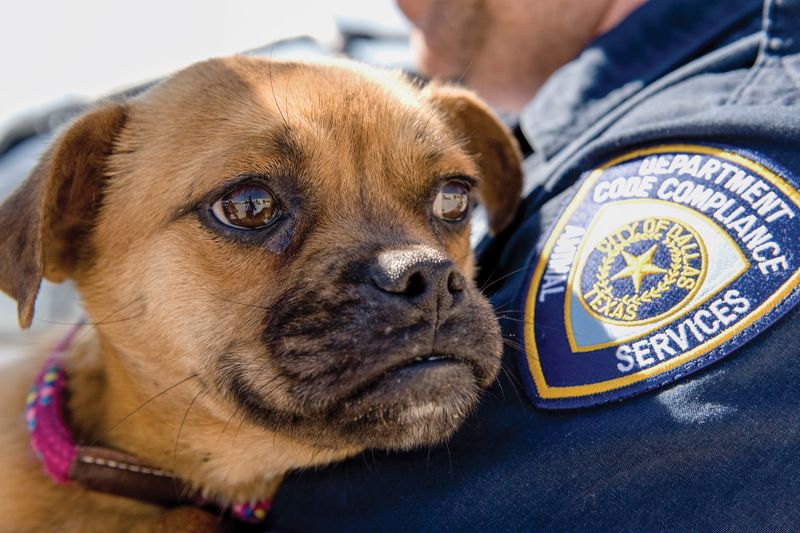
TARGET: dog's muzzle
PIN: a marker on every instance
(380, 346)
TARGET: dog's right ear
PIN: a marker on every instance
(46, 219)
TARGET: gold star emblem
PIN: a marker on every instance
(638, 267)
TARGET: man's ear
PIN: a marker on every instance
(46, 219)
(496, 149)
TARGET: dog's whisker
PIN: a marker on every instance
(518, 320)
(503, 311)
(499, 307)
(514, 344)
(366, 461)
(489, 283)
(465, 71)
(238, 429)
(272, 88)
(85, 323)
(502, 390)
(142, 405)
(180, 430)
(285, 102)
(237, 407)
(515, 384)
(453, 87)
(228, 422)
(238, 411)
(374, 461)
(93, 326)
(316, 450)
(459, 259)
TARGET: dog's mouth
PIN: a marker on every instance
(407, 371)
(432, 358)
(421, 400)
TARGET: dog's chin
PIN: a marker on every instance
(420, 403)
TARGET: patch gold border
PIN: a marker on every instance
(531, 352)
(676, 313)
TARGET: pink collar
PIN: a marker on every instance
(103, 469)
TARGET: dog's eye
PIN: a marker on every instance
(452, 202)
(249, 207)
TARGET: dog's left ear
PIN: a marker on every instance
(43, 224)
(496, 149)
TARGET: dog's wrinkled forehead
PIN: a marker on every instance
(341, 132)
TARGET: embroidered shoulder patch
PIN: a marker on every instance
(665, 260)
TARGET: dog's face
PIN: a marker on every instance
(294, 236)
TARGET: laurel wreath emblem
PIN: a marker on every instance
(602, 285)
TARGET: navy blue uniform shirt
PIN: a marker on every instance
(647, 292)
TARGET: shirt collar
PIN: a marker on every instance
(654, 40)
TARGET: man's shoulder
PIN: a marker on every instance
(682, 192)
(715, 65)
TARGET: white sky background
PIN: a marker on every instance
(50, 50)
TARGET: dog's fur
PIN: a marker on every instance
(229, 357)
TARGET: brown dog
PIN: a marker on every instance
(272, 257)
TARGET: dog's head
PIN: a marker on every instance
(294, 236)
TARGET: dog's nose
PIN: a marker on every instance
(422, 275)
